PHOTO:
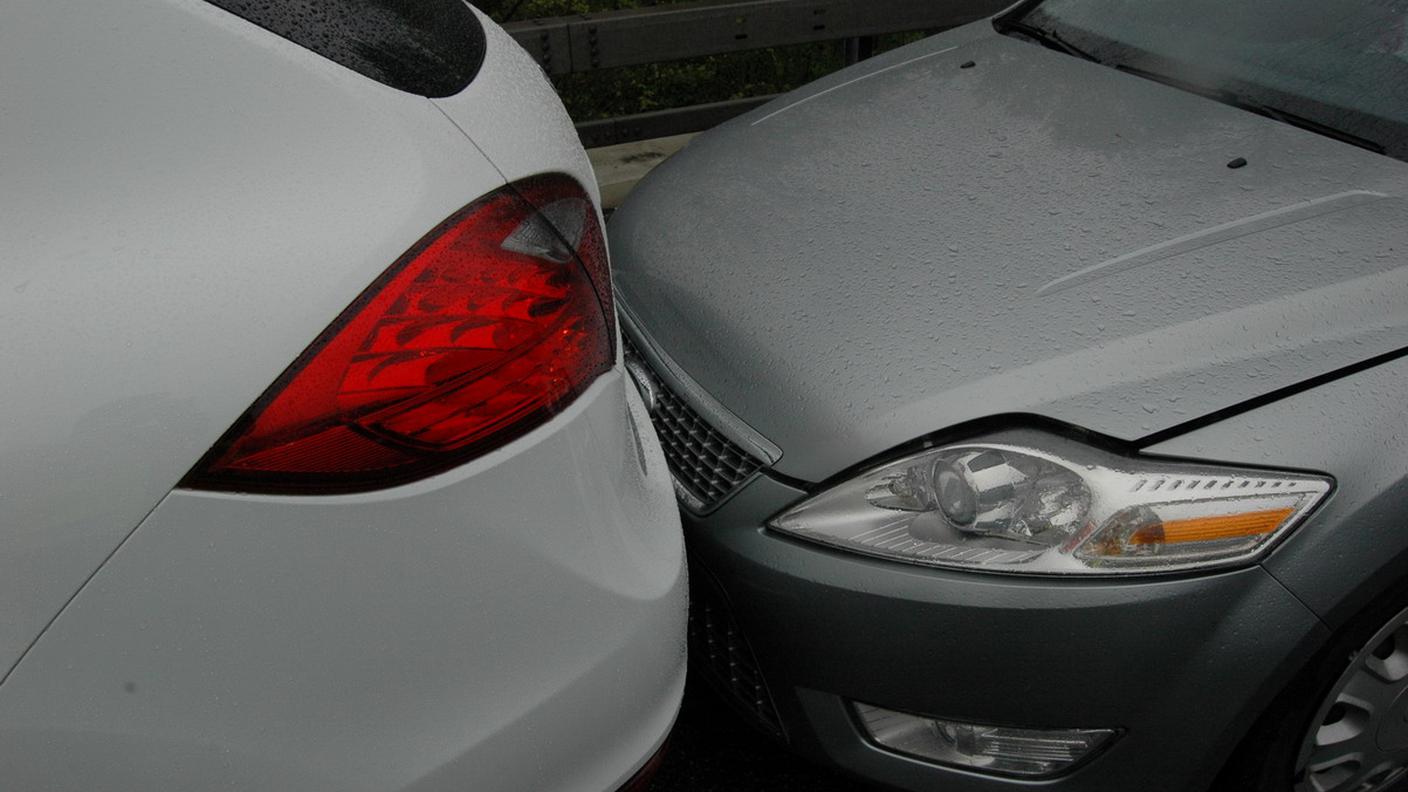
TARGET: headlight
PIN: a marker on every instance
(1037, 504)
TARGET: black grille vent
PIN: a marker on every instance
(718, 649)
(707, 467)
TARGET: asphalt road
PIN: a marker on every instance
(714, 750)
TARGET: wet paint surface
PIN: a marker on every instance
(1035, 234)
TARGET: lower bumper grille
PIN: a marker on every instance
(719, 650)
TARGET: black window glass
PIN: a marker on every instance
(1339, 67)
(428, 47)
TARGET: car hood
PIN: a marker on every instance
(977, 226)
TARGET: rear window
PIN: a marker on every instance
(428, 47)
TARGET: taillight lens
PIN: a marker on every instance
(640, 782)
(483, 330)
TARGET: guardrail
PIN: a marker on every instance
(587, 42)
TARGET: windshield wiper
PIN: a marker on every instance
(1311, 125)
(1260, 108)
(1048, 38)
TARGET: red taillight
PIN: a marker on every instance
(640, 782)
(482, 331)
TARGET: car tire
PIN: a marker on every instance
(1276, 756)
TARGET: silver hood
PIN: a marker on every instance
(911, 244)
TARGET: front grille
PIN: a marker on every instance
(706, 466)
(718, 649)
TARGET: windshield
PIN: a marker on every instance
(1337, 67)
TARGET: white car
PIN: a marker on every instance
(318, 468)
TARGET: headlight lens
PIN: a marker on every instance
(1045, 505)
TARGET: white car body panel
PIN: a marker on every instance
(180, 220)
(349, 649)
(513, 115)
(189, 201)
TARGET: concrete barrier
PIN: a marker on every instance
(620, 167)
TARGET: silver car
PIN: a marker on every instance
(1035, 396)
(318, 466)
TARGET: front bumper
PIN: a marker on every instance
(1181, 666)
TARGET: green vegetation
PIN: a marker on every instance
(636, 89)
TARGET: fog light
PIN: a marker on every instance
(1000, 750)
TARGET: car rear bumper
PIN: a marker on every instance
(1181, 666)
(514, 624)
